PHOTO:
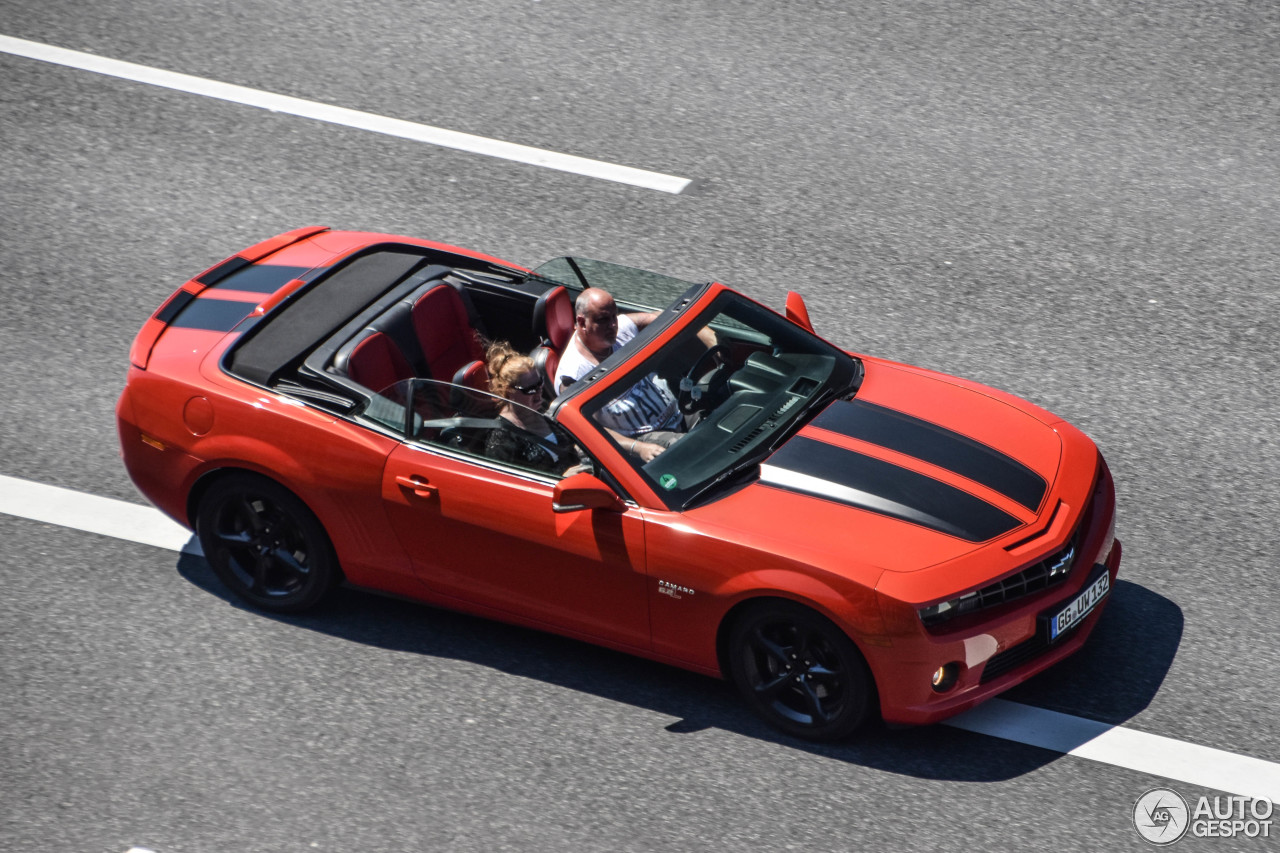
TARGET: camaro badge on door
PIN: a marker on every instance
(674, 590)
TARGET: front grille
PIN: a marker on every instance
(1049, 571)
(1023, 653)
(1014, 657)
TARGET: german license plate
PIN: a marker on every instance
(1066, 618)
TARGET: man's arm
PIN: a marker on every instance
(643, 319)
(705, 334)
(646, 450)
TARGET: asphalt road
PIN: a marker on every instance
(1077, 205)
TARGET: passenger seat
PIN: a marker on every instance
(376, 357)
(441, 326)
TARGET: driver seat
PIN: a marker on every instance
(553, 324)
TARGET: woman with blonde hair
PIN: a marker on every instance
(523, 436)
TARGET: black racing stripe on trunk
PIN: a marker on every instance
(213, 315)
(174, 306)
(835, 474)
(936, 445)
(260, 278)
(222, 270)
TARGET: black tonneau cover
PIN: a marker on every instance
(319, 310)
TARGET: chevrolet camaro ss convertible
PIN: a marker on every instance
(836, 534)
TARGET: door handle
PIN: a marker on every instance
(417, 483)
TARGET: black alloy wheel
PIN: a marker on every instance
(800, 672)
(265, 545)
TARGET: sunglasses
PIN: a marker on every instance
(530, 388)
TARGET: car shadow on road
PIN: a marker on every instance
(1111, 679)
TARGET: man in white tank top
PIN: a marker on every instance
(645, 420)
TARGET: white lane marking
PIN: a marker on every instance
(1101, 742)
(343, 116)
(104, 516)
(1120, 747)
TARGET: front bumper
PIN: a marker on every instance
(1016, 645)
(992, 655)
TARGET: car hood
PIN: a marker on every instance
(917, 469)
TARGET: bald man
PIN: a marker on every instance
(645, 419)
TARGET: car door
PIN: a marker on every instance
(486, 534)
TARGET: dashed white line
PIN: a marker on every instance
(347, 117)
(1120, 747)
(1114, 745)
(92, 514)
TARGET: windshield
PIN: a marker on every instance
(718, 398)
(632, 288)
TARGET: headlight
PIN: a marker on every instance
(935, 614)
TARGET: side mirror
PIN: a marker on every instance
(797, 312)
(583, 491)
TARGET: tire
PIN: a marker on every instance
(799, 672)
(265, 545)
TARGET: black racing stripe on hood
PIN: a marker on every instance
(936, 445)
(212, 315)
(832, 473)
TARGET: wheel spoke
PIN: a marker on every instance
(259, 575)
(773, 649)
(770, 689)
(285, 560)
(821, 672)
(814, 702)
(250, 514)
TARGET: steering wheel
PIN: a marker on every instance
(700, 382)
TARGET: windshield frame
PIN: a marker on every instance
(634, 288)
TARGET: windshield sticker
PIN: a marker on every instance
(668, 481)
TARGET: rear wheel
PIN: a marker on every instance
(799, 672)
(265, 545)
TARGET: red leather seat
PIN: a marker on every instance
(373, 360)
(553, 320)
(473, 375)
(440, 323)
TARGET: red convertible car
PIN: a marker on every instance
(838, 535)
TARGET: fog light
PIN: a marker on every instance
(945, 677)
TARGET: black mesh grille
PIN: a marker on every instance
(1050, 571)
(1029, 580)
(1030, 649)
(1012, 658)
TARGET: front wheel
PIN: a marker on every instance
(799, 672)
(265, 545)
